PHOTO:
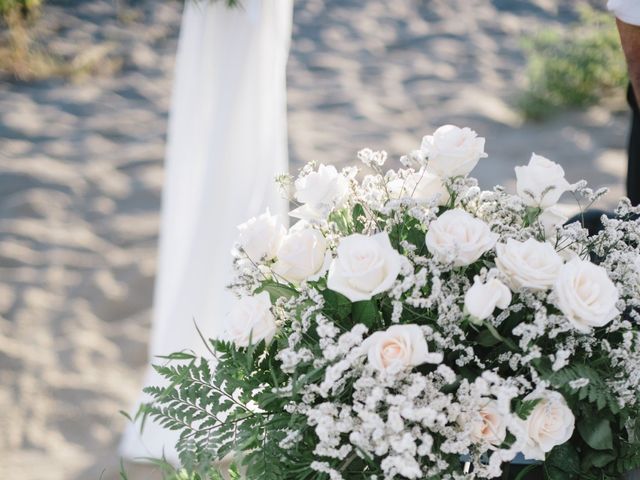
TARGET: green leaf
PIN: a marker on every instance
(524, 409)
(365, 312)
(486, 339)
(336, 305)
(277, 290)
(341, 221)
(531, 215)
(562, 463)
(177, 356)
(526, 471)
(358, 212)
(125, 415)
(598, 459)
(596, 432)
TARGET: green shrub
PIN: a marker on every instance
(574, 67)
(24, 7)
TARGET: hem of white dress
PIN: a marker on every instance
(629, 19)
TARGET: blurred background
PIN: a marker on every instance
(84, 93)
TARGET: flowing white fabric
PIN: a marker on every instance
(226, 143)
(626, 10)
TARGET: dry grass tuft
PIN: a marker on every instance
(24, 57)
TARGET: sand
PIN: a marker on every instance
(81, 176)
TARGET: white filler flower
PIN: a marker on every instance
(551, 423)
(302, 255)
(453, 151)
(586, 295)
(457, 236)
(251, 321)
(541, 183)
(320, 191)
(483, 298)
(398, 347)
(260, 237)
(529, 264)
(364, 266)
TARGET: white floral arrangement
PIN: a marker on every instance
(413, 326)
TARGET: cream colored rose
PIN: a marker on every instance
(251, 321)
(488, 426)
(529, 264)
(302, 255)
(452, 151)
(586, 295)
(260, 237)
(420, 185)
(541, 182)
(482, 298)
(364, 266)
(551, 423)
(397, 347)
(320, 191)
(457, 236)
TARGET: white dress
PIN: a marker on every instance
(626, 10)
(227, 141)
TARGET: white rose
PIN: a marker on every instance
(551, 218)
(586, 295)
(541, 183)
(453, 151)
(260, 237)
(302, 255)
(320, 191)
(459, 237)
(489, 425)
(483, 298)
(420, 185)
(529, 264)
(364, 266)
(551, 423)
(251, 321)
(397, 347)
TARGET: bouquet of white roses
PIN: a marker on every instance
(413, 326)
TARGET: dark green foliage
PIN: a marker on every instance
(562, 463)
(24, 7)
(212, 412)
(572, 67)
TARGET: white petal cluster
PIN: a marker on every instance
(251, 321)
(320, 191)
(453, 151)
(586, 295)
(399, 346)
(551, 423)
(530, 264)
(302, 255)
(364, 266)
(483, 298)
(456, 236)
(541, 183)
(260, 237)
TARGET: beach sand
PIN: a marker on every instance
(81, 176)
